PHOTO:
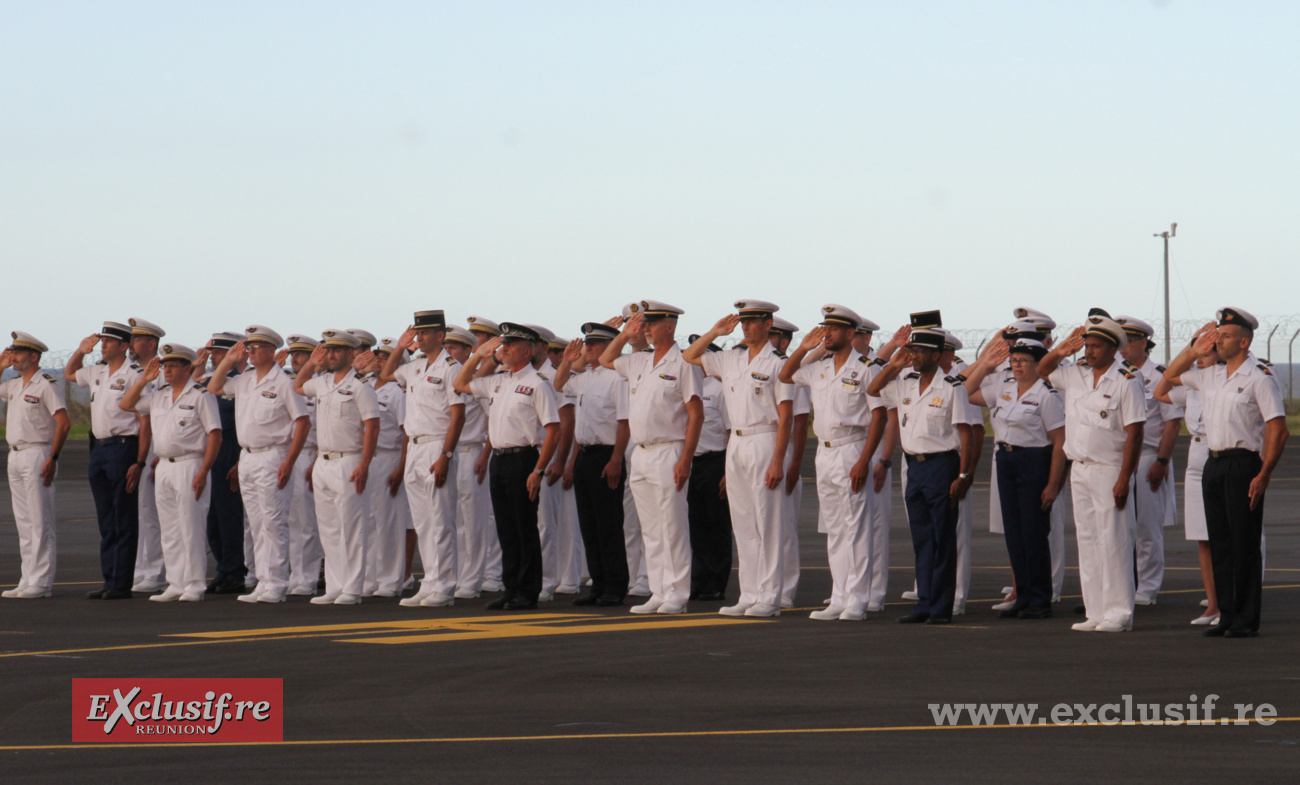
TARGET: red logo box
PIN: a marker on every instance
(185, 710)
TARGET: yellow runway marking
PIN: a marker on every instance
(613, 736)
(459, 631)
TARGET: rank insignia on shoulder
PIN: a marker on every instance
(361, 376)
(876, 361)
(136, 366)
(1160, 368)
(912, 375)
(48, 378)
(1265, 369)
(862, 358)
(522, 390)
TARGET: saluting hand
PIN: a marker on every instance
(6, 359)
(573, 352)
(1204, 345)
(813, 339)
(727, 324)
(634, 326)
(281, 356)
(151, 370)
(614, 321)
(488, 348)
(996, 352)
(87, 344)
(317, 358)
(899, 338)
(238, 354)
(407, 340)
(1072, 344)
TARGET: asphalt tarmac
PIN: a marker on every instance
(377, 692)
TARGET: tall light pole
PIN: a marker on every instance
(1173, 229)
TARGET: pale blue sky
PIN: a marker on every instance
(308, 165)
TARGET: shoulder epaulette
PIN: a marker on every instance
(453, 361)
(876, 361)
(290, 373)
(781, 355)
(136, 367)
(102, 362)
(1048, 385)
(912, 375)
(48, 378)
(1265, 369)
(361, 376)
(862, 358)
(1160, 368)
(1127, 374)
(203, 385)
(1128, 365)
(955, 381)
(961, 377)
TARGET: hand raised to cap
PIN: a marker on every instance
(6, 359)
(365, 361)
(903, 357)
(1073, 343)
(727, 324)
(995, 352)
(87, 344)
(151, 369)
(318, 355)
(281, 356)
(573, 352)
(813, 338)
(1204, 345)
(488, 347)
(614, 321)
(634, 325)
(900, 336)
(407, 340)
(238, 353)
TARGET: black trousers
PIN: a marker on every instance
(933, 521)
(710, 521)
(1022, 475)
(600, 516)
(516, 515)
(226, 516)
(1235, 532)
(117, 510)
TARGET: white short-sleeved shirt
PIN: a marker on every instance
(341, 410)
(1158, 412)
(658, 394)
(840, 402)
(1022, 420)
(475, 430)
(602, 401)
(265, 410)
(1190, 402)
(928, 420)
(1095, 417)
(974, 413)
(430, 395)
(750, 387)
(30, 417)
(1237, 406)
(181, 426)
(308, 446)
(392, 413)
(520, 406)
(716, 430)
(107, 419)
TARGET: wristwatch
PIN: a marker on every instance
(888, 464)
(539, 471)
(1162, 461)
(448, 453)
(963, 476)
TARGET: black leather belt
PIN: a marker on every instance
(922, 457)
(1004, 447)
(117, 440)
(511, 450)
(1239, 452)
(586, 447)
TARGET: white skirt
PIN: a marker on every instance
(1193, 501)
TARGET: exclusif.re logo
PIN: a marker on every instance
(187, 710)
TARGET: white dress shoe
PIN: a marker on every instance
(827, 601)
(829, 613)
(762, 610)
(639, 590)
(491, 585)
(566, 589)
(303, 591)
(671, 607)
(1202, 621)
(652, 606)
(736, 610)
(415, 599)
(466, 594)
(875, 607)
(31, 593)
(1006, 590)
(911, 595)
(546, 596)
(10, 594)
(1142, 598)
(1205, 603)
(148, 586)
(1056, 598)
(171, 595)
(436, 600)
(1087, 625)
(252, 596)
(853, 613)
(271, 596)
(1005, 606)
(348, 599)
(1113, 626)
(409, 583)
(787, 603)
(250, 582)
(959, 611)
(192, 596)
(325, 599)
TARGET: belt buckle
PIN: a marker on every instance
(828, 442)
(1006, 448)
(920, 456)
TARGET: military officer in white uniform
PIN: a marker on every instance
(1105, 411)
(1245, 424)
(664, 414)
(1155, 505)
(522, 410)
(936, 436)
(119, 450)
(272, 423)
(435, 417)
(150, 572)
(347, 430)
(849, 425)
(186, 432)
(390, 511)
(36, 426)
(760, 407)
(551, 518)
(483, 331)
(780, 336)
(706, 499)
(639, 584)
(305, 554)
(881, 508)
(476, 534)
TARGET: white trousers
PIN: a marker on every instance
(880, 506)
(1150, 508)
(790, 506)
(305, 553)
(342, 516)
(1056, 539)
(474, 529)
(664, 527)
(386, 537)
(149, 565)
(183, 524)
(568, 542)
(433, 512)
(1194, 527)
(492, 564)
(755, 518)
(549, 520)
(637, 581)
(1105, 543)
(33, 505)
(846, 517)
(266, 515)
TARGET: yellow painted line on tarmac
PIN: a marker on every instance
(628, 736)
(463, 632)
(376, 626)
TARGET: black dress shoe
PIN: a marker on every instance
(97, 594)
(609, 601)
(1010, 613)
(1035, 613)
(710, 596)
(520, 604)
(939, 620)
(1217, 631)
(1240, 633)
(587, 599)
(914, 618)
(116, 594)
(233, 586)
(1081, 609)
(499, 603)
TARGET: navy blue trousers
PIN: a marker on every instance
(226, 515)
(1235, 532)
(933, 521)
(1022, 476)
(117, 510)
